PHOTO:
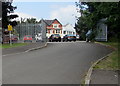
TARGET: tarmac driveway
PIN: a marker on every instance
(58, 63)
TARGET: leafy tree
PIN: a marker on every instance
(28, 20)
(97, 11)
(7, 8)
(31, 20)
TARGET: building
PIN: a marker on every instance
(53, 27)
(68, 29)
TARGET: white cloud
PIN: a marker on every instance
(65, 14)
(45, 0)
(24, 16)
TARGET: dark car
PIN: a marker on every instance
(69, 38)
(13, 39)
(55, 37)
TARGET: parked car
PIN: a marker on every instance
(38, 37)
(69, 38)
(55, 37)
(27, 38)
(77, 37)
(13, 39)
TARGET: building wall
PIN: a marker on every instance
(68, 30)
(43, 31)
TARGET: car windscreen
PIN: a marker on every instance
(28, 36)
(56, 35)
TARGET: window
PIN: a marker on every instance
(64, 32)
(48, 31)
(73, 33)
(55, 25)
(51, 31)
(70, 32)
(57, 31)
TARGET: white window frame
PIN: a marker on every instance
(55, 25)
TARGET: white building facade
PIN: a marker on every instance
(68, 29)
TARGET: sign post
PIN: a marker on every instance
(10, 30)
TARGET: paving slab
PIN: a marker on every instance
(105, 77)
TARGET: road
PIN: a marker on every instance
(58, 63)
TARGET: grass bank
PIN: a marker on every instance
(111, 62)
(3, 46)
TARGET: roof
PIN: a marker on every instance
(68, 27)
(49, 22)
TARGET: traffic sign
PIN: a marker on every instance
(10, 28)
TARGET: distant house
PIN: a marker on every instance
(53, 27)
(69, 29)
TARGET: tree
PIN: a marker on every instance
(28, 20)
(7, 8)
(100, 10)
(31, 20)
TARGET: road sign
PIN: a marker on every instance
(10, 28)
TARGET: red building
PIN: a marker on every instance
(53, 27)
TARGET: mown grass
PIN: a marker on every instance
(111, 62)
(3, 46)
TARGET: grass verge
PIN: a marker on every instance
(3, 46)
(111, 61)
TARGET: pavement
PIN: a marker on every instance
(103, 77)
(26, 48)
(100, 76)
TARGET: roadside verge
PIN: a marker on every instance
(23, 49)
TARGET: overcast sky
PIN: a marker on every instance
(65, 12)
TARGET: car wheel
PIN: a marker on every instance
(66, 40)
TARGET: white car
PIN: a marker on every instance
(38, 37)
(78, 37)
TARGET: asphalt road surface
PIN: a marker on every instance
(58, 63)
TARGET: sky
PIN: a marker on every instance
(65, 12)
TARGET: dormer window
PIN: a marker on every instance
(55, 25)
